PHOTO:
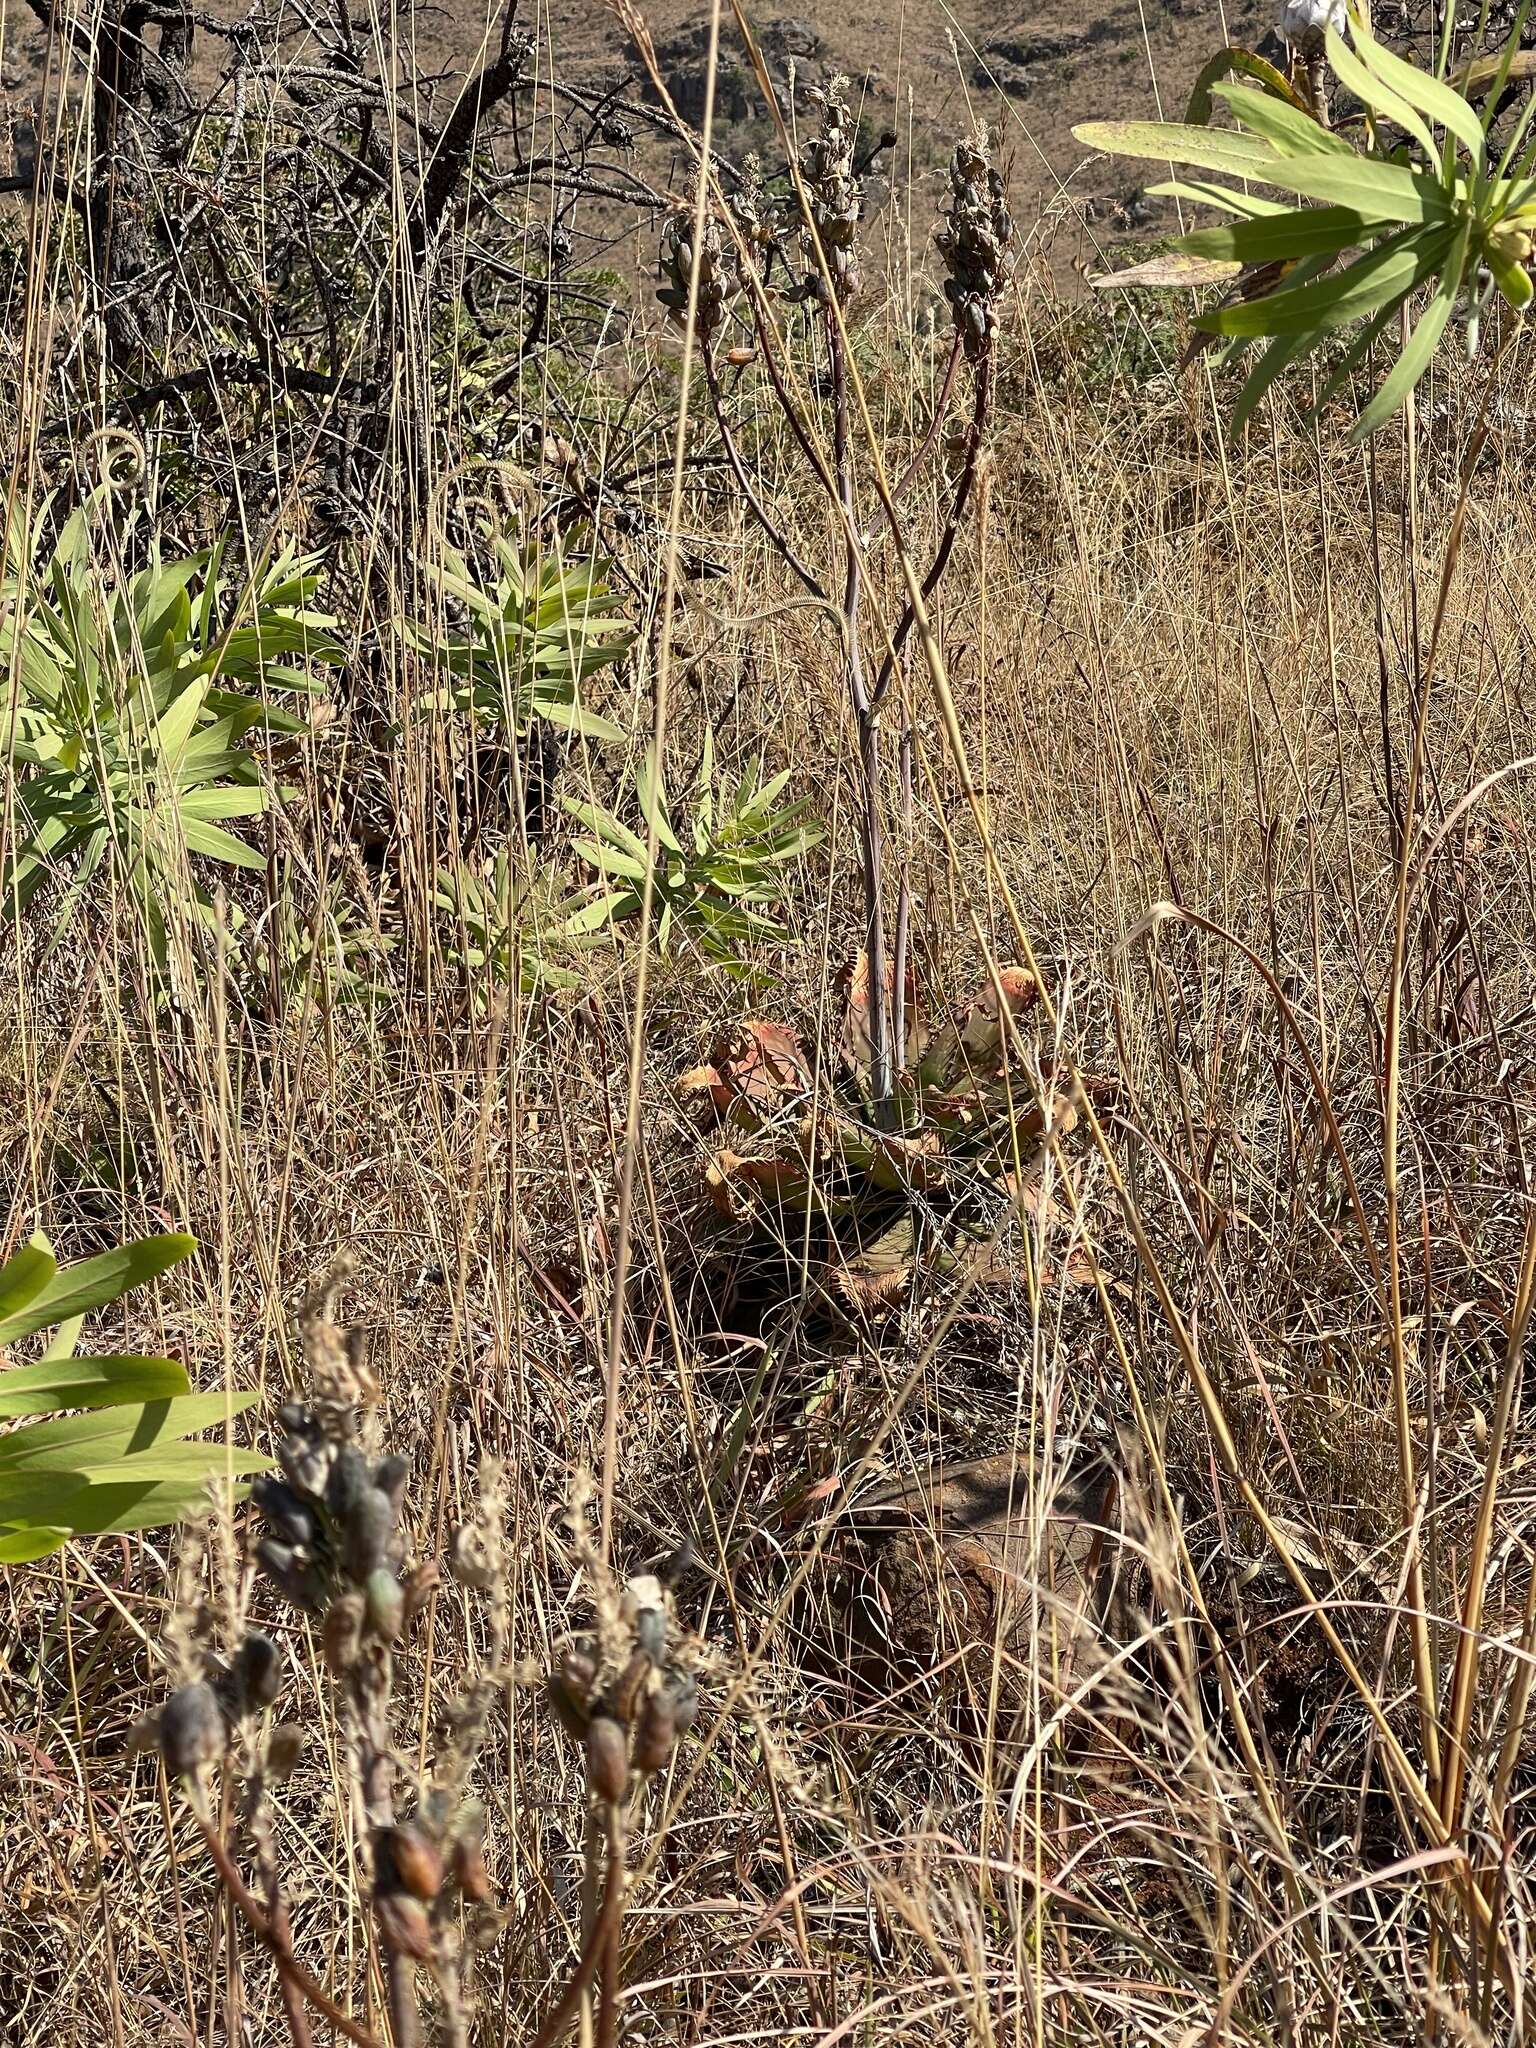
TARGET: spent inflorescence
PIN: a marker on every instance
(625, 1688)
(691, 251)
(976, 242)
(834, 195)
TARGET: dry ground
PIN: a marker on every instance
(1188, 679)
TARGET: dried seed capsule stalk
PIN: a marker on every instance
(975, 241)
(836, 195)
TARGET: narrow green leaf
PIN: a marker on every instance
(1359, 347)
(1292, 131)
(217, 844)
(88, 1383)
(651, 794)
(1279, 354)
(1405, 84)
(1384, 276)
(76, 1290)
(1326, 229)
(1171, 142)
(65, 1339)
(26, 1542)
(24, 1276)
(1413, 361)
(1378, 192)
(70, 1441)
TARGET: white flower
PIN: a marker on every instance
(1305, 21)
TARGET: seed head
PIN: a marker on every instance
(975, 241)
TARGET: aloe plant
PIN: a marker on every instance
(122, 1462)
(1425, 205)
(129, 713)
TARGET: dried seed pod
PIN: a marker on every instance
(348, 1478)
(625, 1697)
(366, 1532)
(304, 1452)
(294, 1577)
(384, 1603)
(258, 1672)
(570, 1706)
(410, 1860)
(607, 1758)
(579, 1670)
(342, 1636)
(288, 1517)
(285, 1745)
(467, 1560)
(403, 1925)
(655, 1732)
(192, 1729)
(419, 1588)
(470, 1873)
(390, 1476)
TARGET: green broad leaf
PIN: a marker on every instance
(601, 912)
(69, 1442)
(226, 802)
(1312, 231)
(1398, 84)
(574, 717)
(24, 1277)
(24, 1543)
(1208, 149)
(117, 1509)
(76, 1290)
(652, 798)
(171, 1464)
(1416, 354)
(607, 827)
(217, 844)
(88, 1383)
(1378, 192)
(1292, 131)
(608, 860)
(1383, 277)
(176, 727)
(65, 1339)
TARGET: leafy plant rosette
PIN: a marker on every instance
(123, 1462)
(1423, 205)
(129, 711)
(533, 636)
(721, 866)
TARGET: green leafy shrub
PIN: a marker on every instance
(505, 927)
(717, 871)
(1431, 210)
(132, 709)
(533, 639)
(123, 1462)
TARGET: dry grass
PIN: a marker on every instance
(1185, 676)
